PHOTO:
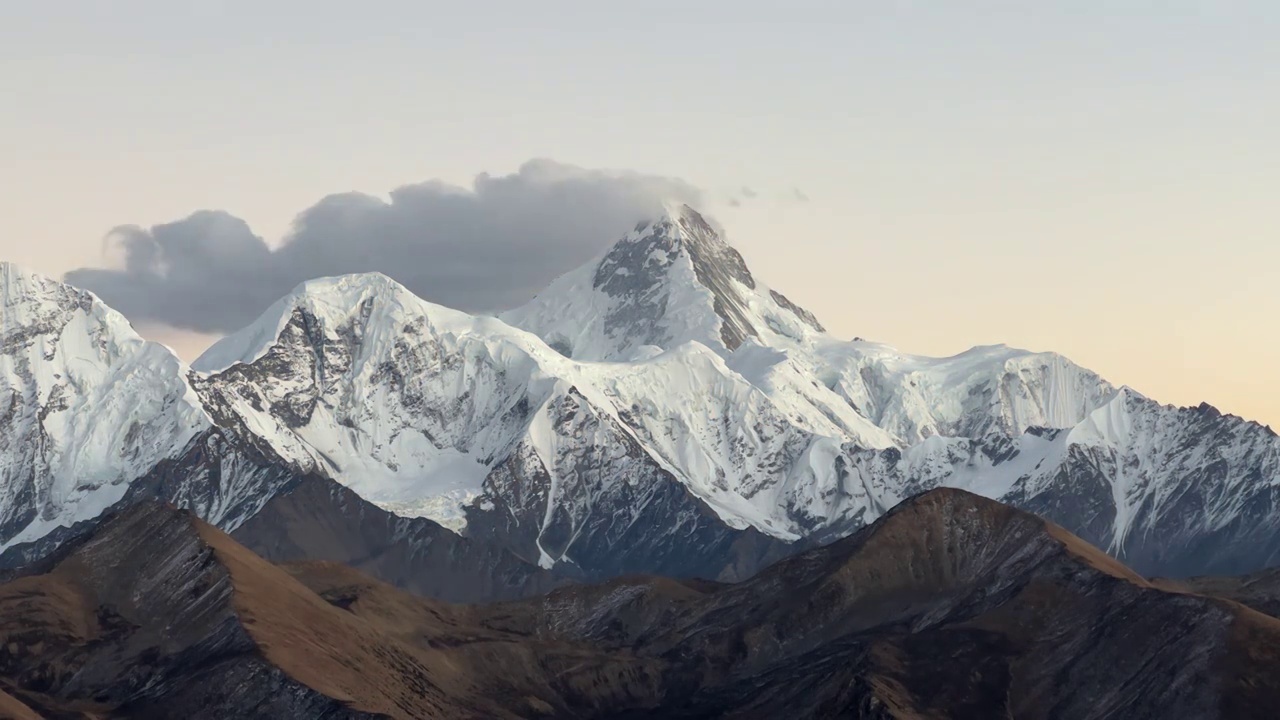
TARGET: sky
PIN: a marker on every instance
(1094, 178)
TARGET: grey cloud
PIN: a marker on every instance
(748, 193)
(480, 249)
(799, 195)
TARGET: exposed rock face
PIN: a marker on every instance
(320, 520)
(1172, 491)
(218, 475)
(607, 507)
(950, 606)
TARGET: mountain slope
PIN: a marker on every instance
(163, 632)
(355, 377)
(95, 417)
(1185, 488)
(983, 390)
(950, 606)
(1260, 591)
(320, 520)
(86, 406)
(160, 615)
(1173, 491)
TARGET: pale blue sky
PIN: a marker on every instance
(1098, 178)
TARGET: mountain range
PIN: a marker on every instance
(659, 410)
(950, 605)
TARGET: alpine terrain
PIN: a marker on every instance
(949, 606)
(658, 410)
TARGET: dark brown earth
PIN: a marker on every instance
(951, 606)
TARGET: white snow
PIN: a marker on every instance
(757, 432)
(414, 406)
(96, 405)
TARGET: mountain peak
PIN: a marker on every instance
(680, 227)
(675, 214)
(340, 295)
(22, 288)
(10, 270)
(959, 524)
(343, 301)
(672, 279)
(664, 250)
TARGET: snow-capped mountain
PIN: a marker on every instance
(427, 411)
(1177, 490)
(1169, 490)
(95, 417)
(983, 390)
(659, 409)
(357, 378)
(86, 406)
(663, 369)
(670, 281)
(674, 281)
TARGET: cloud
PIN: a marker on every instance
(480, 249)
(748, 193)
(799, 195)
